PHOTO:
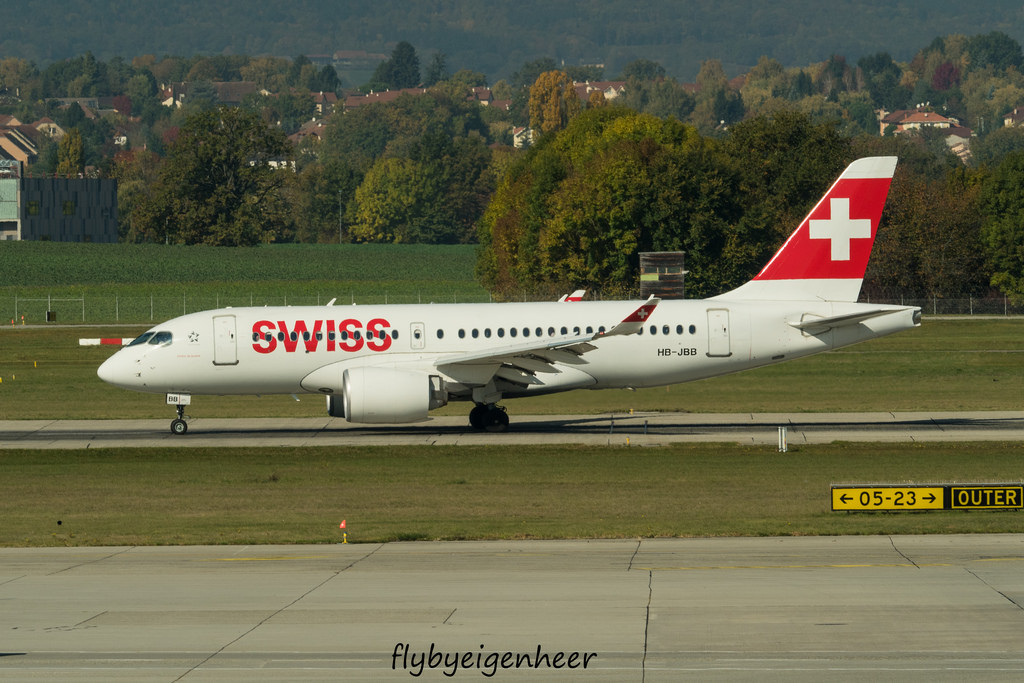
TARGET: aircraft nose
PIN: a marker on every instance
(112, 371)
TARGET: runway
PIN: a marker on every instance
(850, 608)
(639, 429)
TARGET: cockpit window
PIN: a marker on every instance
(142, 338)
(161, 338)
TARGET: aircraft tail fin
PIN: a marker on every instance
(826, 256)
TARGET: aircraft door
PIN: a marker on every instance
(719, 345)
(225, 350)
(417, 336)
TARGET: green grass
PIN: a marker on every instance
(108, 283)
(286, 495)
(945, 365)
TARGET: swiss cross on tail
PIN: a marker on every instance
(834, 241)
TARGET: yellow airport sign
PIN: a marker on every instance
(887, 498)
(929, 497)
(985, 497)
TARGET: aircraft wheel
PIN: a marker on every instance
(478, 417)
(497, 420)
(179, 426)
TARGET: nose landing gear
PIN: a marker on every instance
(179, 426)
(179, 401)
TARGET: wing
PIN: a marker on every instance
(522, 363)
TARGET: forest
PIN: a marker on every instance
(722, 168)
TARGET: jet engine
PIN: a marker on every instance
(376, 395)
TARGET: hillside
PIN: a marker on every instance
(497, 38)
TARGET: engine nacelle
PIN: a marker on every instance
(375, 395)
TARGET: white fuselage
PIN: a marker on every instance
(253, 350)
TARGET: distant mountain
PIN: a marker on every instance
(497, 37)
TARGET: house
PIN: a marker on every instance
(610, 89)
(315, 129)
(522, 137)
(353, 101)
(324, 102)
(1014, 118)
(912, 119)
(229, 93)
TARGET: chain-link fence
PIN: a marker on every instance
(98, 309)
(146, 309)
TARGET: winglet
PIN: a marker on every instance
(575, 296)
(633, 322)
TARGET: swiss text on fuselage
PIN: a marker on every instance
(348, 335)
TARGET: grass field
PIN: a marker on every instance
(108, 283)
(213, 496)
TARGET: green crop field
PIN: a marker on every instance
(144, 283)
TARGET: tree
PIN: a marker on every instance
(553, 102)
(580, 205)
(401, 71)
(70, 154)
(437, 71)
(643, 70)
(217, 186)
(433, 196)
(994, 49)
(1002, 202)
(929, 241)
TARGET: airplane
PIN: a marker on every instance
(393, 364)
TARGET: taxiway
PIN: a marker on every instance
(785, 609)
(640, 429)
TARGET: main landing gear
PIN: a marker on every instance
(489, 417)
(179, 426)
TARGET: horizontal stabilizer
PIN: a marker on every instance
(815, 325)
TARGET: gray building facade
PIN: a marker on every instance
(58, 209)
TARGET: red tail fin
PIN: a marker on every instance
(828, 253)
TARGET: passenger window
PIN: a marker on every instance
(487, 332)
(551, 332)
(654, 329)
(293, 336)
(664, 329)
(330, 335)
(440, 334)
(305, 336)
(693, 329)
(280, 336)
(512, 331)
(590, 330)
(526, 331)
(600, 330)
(679, 329)
(476, 333)
(462, 334)
(539, 332)
(501, 332)
(576, 330)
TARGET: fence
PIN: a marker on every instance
(115, 308)
(97, 309)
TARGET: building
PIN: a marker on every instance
(57, 209)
